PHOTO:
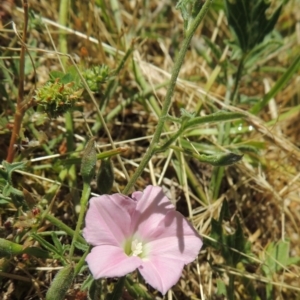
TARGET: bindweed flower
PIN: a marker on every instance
(143, 232)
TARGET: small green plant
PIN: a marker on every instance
(58, 97)
(233, 247)
(276, 257)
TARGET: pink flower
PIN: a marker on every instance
(143, 232)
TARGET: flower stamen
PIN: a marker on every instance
(136, 248)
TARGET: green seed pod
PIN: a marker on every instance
(61, 284)
(105, 177)
(88, 162)
(9, 248)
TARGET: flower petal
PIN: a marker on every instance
(111, 261)
(152, 207)
(175, 238)
(161, 273)
(108, 219)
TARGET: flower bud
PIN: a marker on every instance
(9, 248)
(61, 284)
(88, 162)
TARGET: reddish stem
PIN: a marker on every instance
(21, 108)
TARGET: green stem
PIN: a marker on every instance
(83, 204)
(63, 16)
(230, 289)
(63, 47)
(59, 224)
(238, 78)
(64, 8)
(81, 262)
(156, 108)
(168, 100)
(170, 141)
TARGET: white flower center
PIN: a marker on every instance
(136, 248)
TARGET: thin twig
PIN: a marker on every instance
(21, 108)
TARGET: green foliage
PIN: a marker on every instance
(293, 69)
(118, 290)
(96, 76)
(189, 10)
(276, 258)
(189, 120)
(8, 248)
(230, 245)
(6, 184)
(250, 22)
(221, 287)
(87, 282)
(105, 177)
(213, 118)
(57, 249)
(58, 96)
(37, 252)
(61, 92)
(186, 115)
(137, 290)
(94, 288)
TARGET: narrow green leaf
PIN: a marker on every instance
(279, 85)
(37, 252)
(236, 241)
(118, 289)
(45, 244)
(224, 213)
(216, 234)
(213, 118)
(87, 283)
(105, 177)
(80, 246)
(137, 290)
(94, 289)
(57, 242)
